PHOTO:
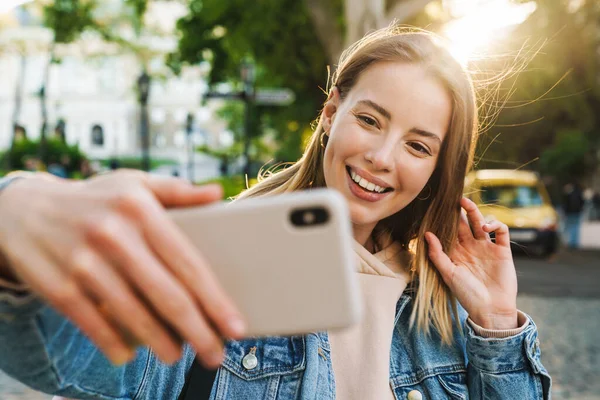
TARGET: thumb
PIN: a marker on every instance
(177, 192)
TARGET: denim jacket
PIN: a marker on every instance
(42, 349)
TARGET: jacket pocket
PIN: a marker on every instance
(269, 368)
(432, 385)
(455, 385)
(256, 358)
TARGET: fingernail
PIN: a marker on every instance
(237, 326)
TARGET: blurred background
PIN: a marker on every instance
(214, 90)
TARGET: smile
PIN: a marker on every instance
(365, 189)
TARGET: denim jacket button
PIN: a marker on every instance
(414, 395)
(250, 361)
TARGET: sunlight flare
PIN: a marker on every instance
(480, 25)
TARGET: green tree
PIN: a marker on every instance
(278, 36)
(568, 157)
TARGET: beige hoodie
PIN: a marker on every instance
(361, 354)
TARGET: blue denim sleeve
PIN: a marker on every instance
(507, 368)
(43, 350)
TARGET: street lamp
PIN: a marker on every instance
(247, 72)
(143, 93)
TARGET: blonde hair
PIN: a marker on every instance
(440, 211)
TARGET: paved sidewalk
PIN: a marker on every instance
(590, 235)
(13, 390)
(569, 332)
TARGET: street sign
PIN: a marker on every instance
(266, 96)
(228, 96)
(274, 97)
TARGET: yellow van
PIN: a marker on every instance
(520, 200)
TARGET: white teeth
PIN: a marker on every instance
(362, 182)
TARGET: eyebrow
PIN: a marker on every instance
(421, 132)
(388, 116)
(377, 108)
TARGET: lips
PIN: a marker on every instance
(366, 184)
(365, 194)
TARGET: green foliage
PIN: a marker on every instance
(567, 157)
(233, 113)
(226, 154)
(279, 37)
(20, 151)
(68, 18)
(232, 185)
(57, 152)
(139, 9)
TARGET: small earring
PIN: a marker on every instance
(428, 194)
(322, 139)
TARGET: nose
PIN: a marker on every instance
(381, 156)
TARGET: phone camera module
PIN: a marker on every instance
(307, 217)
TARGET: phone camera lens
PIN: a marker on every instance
(309, 217)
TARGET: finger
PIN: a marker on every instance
(121, 305)
(117, 302)
(440, 259)
(475, 218)
(86, 316)
(464, 231)
(66, 297)
(176, 192)
(190, 268)
(164, 293)
(501, 230)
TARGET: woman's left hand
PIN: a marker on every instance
(480, 273)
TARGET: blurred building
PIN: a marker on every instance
(93, 88)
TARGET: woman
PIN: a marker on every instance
(396, 138)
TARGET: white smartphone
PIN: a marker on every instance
(286, 260)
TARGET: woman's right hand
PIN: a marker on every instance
(105, 253)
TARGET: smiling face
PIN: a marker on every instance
(385, 138)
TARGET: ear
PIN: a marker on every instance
(331, 107)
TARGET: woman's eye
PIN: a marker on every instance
(420, 148)
(367, 120)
